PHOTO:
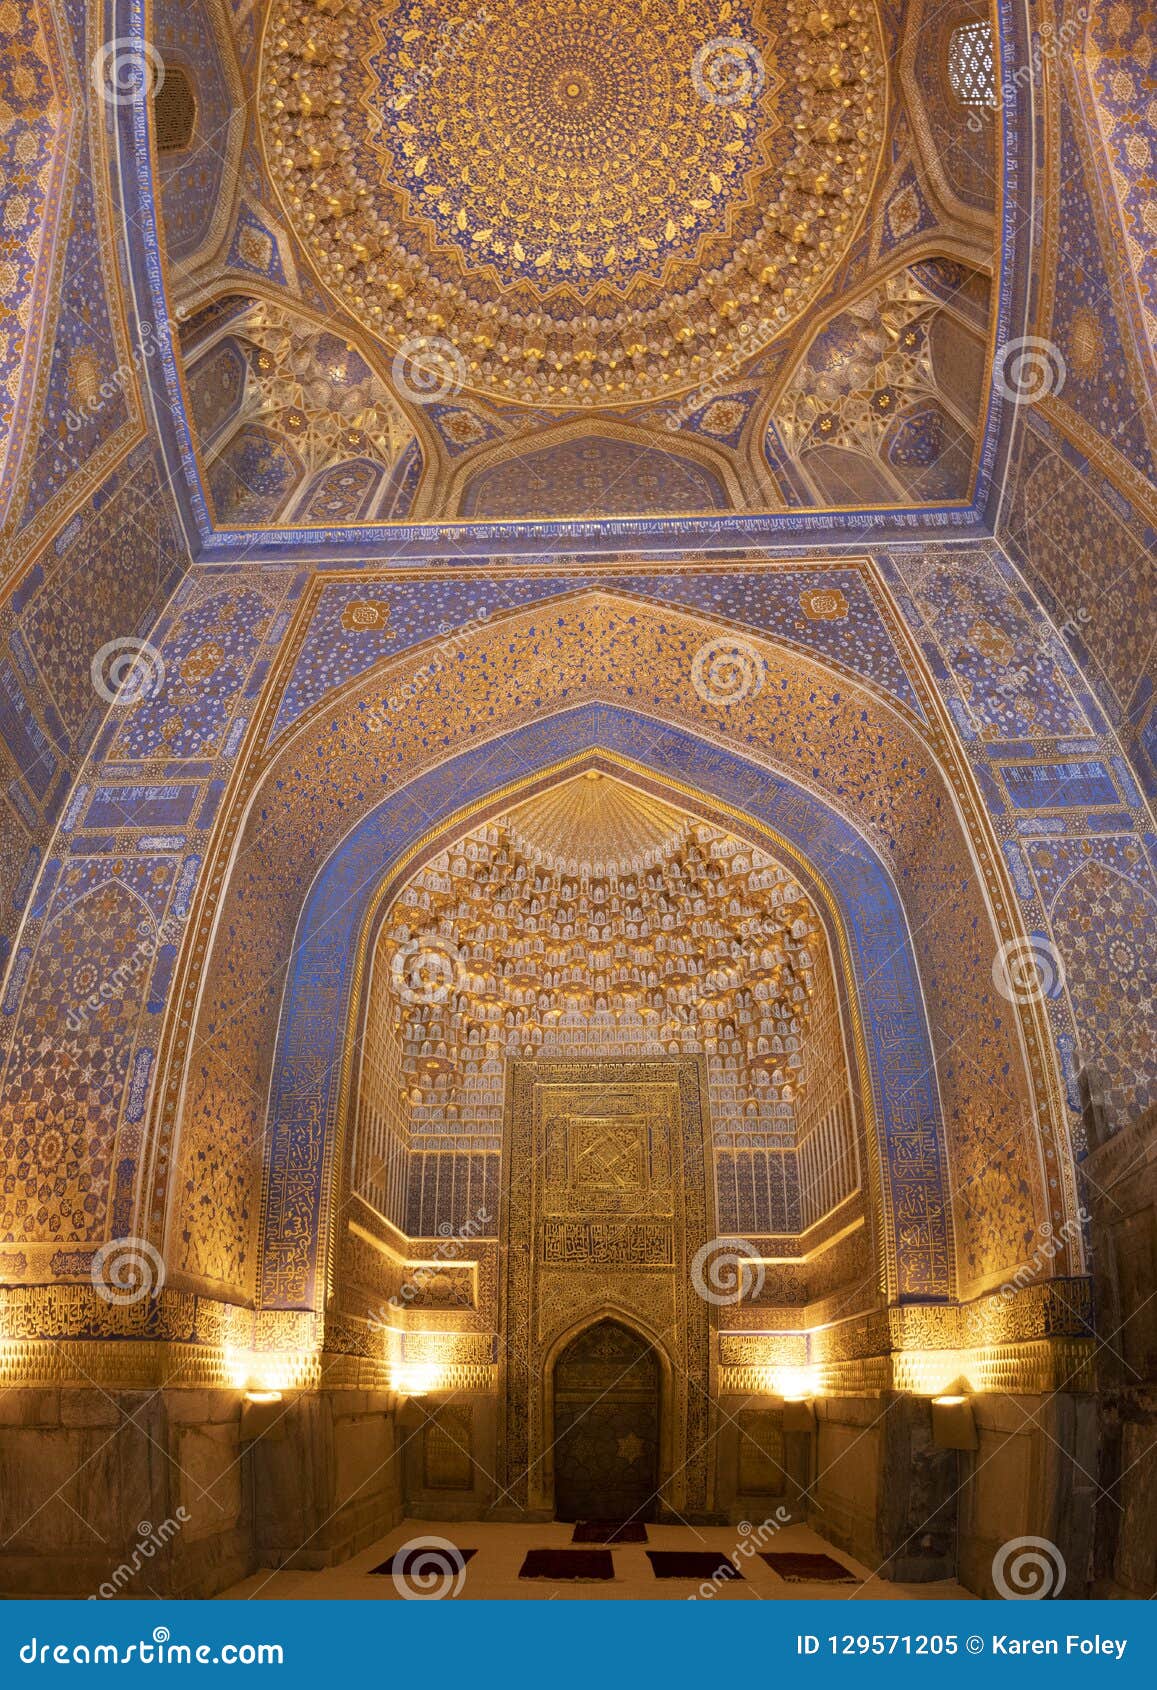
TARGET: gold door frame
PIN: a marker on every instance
(618, 1254)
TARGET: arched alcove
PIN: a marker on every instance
(827, 804)
(605, 1424)
(332, 948)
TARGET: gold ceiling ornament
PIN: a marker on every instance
(593, 202)
(496, 949)
(870, 363)
(595, 824)
(318, 391)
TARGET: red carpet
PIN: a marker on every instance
(610, 1531)
(698, 1564)
(800, 1568)
(568, 1564)
(400, 1563)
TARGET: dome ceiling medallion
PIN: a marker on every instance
(580, 202)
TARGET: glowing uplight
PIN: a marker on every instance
(930, 1373)
(259, 1371)
(263, 1396)
(953, 1422)
(793, 1384)
(416, 1378)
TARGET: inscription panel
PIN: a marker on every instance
(606, 1243)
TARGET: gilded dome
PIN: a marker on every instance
(574, 202)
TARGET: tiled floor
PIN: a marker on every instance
(492, 1573)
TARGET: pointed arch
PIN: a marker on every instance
(311, 1076)
(556, 1346)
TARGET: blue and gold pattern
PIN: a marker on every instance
(33, 159)
(472, 108)
(583, 220)
(964, 769)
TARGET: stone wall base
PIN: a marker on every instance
(161, 1493)
(915, 1513)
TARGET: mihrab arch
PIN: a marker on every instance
(333, 939)
(863, 787)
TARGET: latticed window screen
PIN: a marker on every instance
(972, 64)
(175, 111)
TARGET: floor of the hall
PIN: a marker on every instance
(492, 1572)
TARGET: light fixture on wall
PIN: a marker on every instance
(799, 1415)
(416, 1378)
(260, 1376)
(931, 1373)
(953, 1422)
(262, 1416)
(793, 1384)
(259, 1370)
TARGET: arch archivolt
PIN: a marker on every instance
(658, 782)
(816, 739)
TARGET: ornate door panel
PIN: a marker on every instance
(606, 1200)
(606, 1427)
